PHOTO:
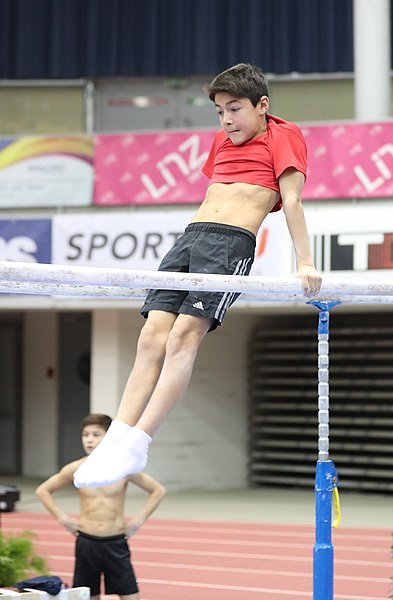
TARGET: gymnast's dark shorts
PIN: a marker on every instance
(204, 248)
(108, 555)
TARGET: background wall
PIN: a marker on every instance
(112, 105)
(34, 109)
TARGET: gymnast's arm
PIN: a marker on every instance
(291, 185)
(155, 492)
(46, 490)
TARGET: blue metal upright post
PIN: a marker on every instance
(326, 476)
(323, 558)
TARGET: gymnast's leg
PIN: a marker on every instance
(147, 367)
(181, 351)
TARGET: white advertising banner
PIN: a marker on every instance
(139, 240)
(353, 239)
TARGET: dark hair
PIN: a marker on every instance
(97, 419)
(242, 81)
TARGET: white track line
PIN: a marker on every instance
(278, 557)
(256, 590)
(253, 571)
(279, 529)
(142, 536)
(259, 544)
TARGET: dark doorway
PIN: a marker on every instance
(10, 394)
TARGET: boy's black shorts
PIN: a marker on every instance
(108, 555)
(211, 248)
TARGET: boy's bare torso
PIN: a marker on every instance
(240, 204)
(102, 509)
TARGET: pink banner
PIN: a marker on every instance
(349, 160)
(151, 168)
(345, 160)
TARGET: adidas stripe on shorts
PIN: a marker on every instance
(204, 248)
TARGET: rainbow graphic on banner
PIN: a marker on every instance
(46, 171)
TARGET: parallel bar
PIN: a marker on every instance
(43, 288)
(350, 299)
(269, 288)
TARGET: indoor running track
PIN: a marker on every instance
(177, 559)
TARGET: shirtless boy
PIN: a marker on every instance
(101, 530)
(257, 164)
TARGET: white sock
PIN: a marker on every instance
(124, 458)
(116, 432)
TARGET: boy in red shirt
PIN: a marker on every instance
(257, 164)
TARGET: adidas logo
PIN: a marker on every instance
(199, 305)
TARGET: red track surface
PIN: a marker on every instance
(202, 560)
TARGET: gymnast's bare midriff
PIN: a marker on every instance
(240, 204)
(102, 509)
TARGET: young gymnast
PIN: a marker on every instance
(101, 529)
(257, 164)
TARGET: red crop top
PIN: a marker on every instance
(259, 161)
